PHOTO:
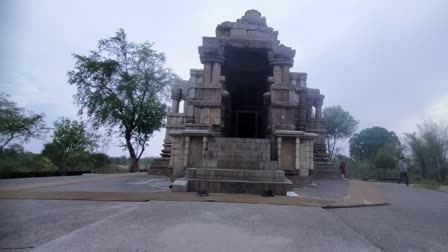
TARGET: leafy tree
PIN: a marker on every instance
(340, 125)
(16, 124)
(70, 138)
(122, 87)
(366, 144)
(429, 148)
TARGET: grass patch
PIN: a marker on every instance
(428, 183)
(111, 169)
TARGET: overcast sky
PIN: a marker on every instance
(386, 62)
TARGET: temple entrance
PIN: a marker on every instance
(246, 71)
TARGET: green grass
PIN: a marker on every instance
(427, 183)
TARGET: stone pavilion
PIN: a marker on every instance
(248, 124)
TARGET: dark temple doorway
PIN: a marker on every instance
(246, 71)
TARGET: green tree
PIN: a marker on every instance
(70, 137)
(385, 159)
(366, 144)
(122, 87)
(340, 124)
(17, 124)
(429, 148)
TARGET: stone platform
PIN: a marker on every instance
(159, 166)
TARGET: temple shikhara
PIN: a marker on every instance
(248, 124)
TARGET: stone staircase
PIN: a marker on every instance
(238, 165)
(323, 167)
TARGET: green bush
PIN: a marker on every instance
(14, 163)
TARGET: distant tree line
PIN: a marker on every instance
(72, 150)
(375, 151)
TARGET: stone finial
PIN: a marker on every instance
(252, 17)
(250, 26)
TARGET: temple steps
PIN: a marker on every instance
(239, 186)
(238, 165)
(232, 174)
(247, 165)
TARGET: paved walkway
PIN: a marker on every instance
(142, 187)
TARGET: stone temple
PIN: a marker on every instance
(248, 124)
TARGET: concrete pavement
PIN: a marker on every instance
(415, 220)
(173, 226)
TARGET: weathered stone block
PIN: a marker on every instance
(180, 185)
(260, 35)
(238, 33)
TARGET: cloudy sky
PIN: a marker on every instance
(386, 62)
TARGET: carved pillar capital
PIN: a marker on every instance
(319, 101)
(281, 55)
(302, 79)
(211, 52)
(176, 93)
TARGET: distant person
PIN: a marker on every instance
(342, 167)
(403, 171)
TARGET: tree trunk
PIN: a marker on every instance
(134, 160)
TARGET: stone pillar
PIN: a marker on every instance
(277, 72)
(303, 172)
(279, 152)
(301, 125)
(189, 111)
(318, 103)
(174, 106)
(204, 147)
(170, 165)
(311, 154)
(216, 73)
(318, 112)
(297, 153)
(207, 73)
(285, 75)
(187, 151)
(176, 95)
(309, 109)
